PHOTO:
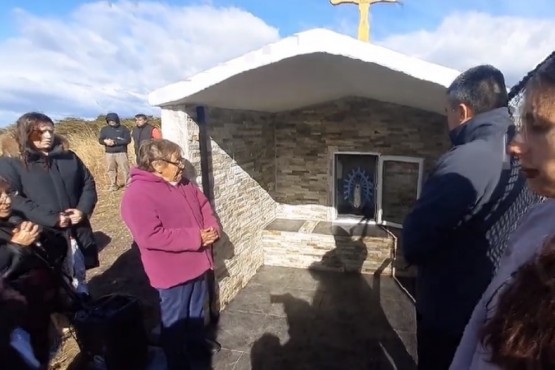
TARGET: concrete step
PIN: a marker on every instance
(327, 246)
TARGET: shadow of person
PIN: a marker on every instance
(125, 276)
(268, 353)
(345, 326)
(222, 251)
(190, 172)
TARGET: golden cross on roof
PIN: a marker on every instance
(364, 10)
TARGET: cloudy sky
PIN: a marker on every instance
(83, 58)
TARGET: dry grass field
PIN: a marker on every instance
(120, 269)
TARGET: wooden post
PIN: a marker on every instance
(364, 10)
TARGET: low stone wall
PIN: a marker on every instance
(321, 245)
(304, 212)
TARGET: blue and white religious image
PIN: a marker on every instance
(358, 188)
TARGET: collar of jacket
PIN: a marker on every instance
(36, 156)
(495, 122)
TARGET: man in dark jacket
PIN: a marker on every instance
(115, 137)
(143, 131)
(53, 188)
(457, 230)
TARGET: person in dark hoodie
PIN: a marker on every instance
(458, 228)
(143, 131)
(115, 137)
(52, 188)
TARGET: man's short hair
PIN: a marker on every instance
(482, 88)
(140, 115)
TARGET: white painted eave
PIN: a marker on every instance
(309, 68)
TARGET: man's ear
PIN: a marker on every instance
(465, 112)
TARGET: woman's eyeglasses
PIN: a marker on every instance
(7, 196)
(180, 163)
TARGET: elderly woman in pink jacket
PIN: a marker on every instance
(174, 227)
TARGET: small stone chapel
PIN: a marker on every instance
(312, 150)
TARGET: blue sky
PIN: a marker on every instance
(81, 58)
(290, 16)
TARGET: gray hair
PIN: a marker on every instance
(155, 149)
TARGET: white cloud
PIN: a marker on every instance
(512, 44)
(108, 58)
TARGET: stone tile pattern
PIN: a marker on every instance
(268, 165)
(312, 320)
(242, 159)
(400, 183)
(326, 252)
(242, 169)
(306, 140)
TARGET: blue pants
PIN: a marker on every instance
(182, 311)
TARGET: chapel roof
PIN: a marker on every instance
(309, 68)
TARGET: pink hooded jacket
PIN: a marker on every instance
(165, 221)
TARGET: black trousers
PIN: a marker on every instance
(435, 348)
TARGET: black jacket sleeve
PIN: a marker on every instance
(102, 136)
(5, 258)
(31, 210)
(451, 193)
(89, 197)
(126, 137)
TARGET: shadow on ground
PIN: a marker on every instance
(297, 319)
(125, 276)
(312, 319)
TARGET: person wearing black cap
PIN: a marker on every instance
(115, 137)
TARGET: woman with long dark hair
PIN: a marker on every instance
(513, 325)
(54, 188)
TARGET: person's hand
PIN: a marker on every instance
(26, 234)
(208, 236)
(75, 215)
(64, 220)
(109, 142)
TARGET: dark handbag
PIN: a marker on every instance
(20, 261)
(49, 252)
(111, 327)
(54, 247)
